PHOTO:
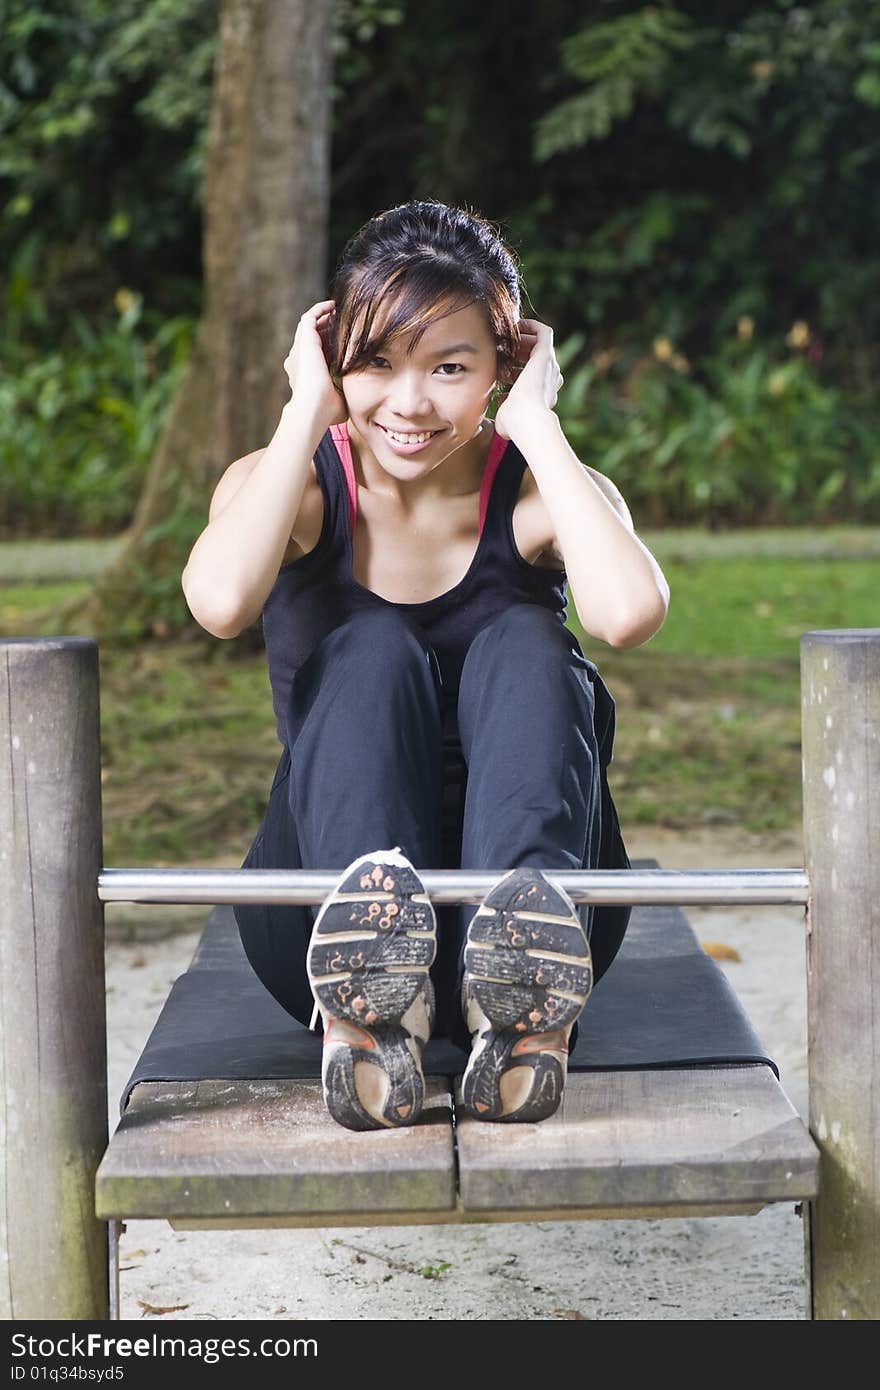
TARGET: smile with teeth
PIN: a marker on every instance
(400, 437)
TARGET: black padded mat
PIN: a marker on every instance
(663, 1003)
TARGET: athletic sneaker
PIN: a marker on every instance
(527, 975)
(372, 946)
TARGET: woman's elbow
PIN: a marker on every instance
(637, 628)
(219, 619)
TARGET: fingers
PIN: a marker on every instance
(318, 316)
(535, 345)
(532, 333)
(536, 328)
(525, 346)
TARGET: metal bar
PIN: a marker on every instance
(114, 1231)
(444, 886)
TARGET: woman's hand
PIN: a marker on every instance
(537, 378)
(306, 365)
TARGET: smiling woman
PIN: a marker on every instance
(409, 557)
(426, 396)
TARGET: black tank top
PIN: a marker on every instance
(315, 593)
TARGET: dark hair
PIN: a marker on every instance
(414, 264)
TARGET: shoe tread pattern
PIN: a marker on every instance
(367, 965)
(523, 990)
(372, 978)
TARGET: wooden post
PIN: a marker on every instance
(53, 1057)
(840, 683)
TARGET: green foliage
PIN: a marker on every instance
(661, 170)
(78, 425)
(753, 438)
(358, 22)
(103, 112)
(728, 158)
(622, 60)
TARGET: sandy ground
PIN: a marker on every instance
(711, 1268)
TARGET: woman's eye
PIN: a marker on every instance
(445, 368)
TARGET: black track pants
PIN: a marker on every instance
(366, 768)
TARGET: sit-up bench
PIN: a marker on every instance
(672, 1106)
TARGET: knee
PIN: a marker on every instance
(527, 657)
(528, 623)
(524, 631)
(380, 640)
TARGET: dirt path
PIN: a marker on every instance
(714, 1268)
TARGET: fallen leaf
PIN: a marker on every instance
(154, 1308)
(719, 951)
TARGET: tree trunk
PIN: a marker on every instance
(265, 207)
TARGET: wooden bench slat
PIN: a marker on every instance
(460, 1217)
(692, 1137)
(689, 1141)
(269, 1148)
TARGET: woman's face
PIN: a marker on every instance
(413, 411)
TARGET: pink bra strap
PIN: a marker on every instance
(339, 435)
(496, 452)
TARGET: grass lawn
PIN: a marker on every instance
(708, 711)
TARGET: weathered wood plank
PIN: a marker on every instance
(215, 1149)
(840, 692)
(53, 1049)
(461, 1218)
(689, 1142)
(684, 1138)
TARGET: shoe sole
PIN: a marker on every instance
(528, 966)
(371, 948)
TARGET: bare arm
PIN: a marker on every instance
(235, 561)
(620, 592)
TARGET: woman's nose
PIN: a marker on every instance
(408, 396)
